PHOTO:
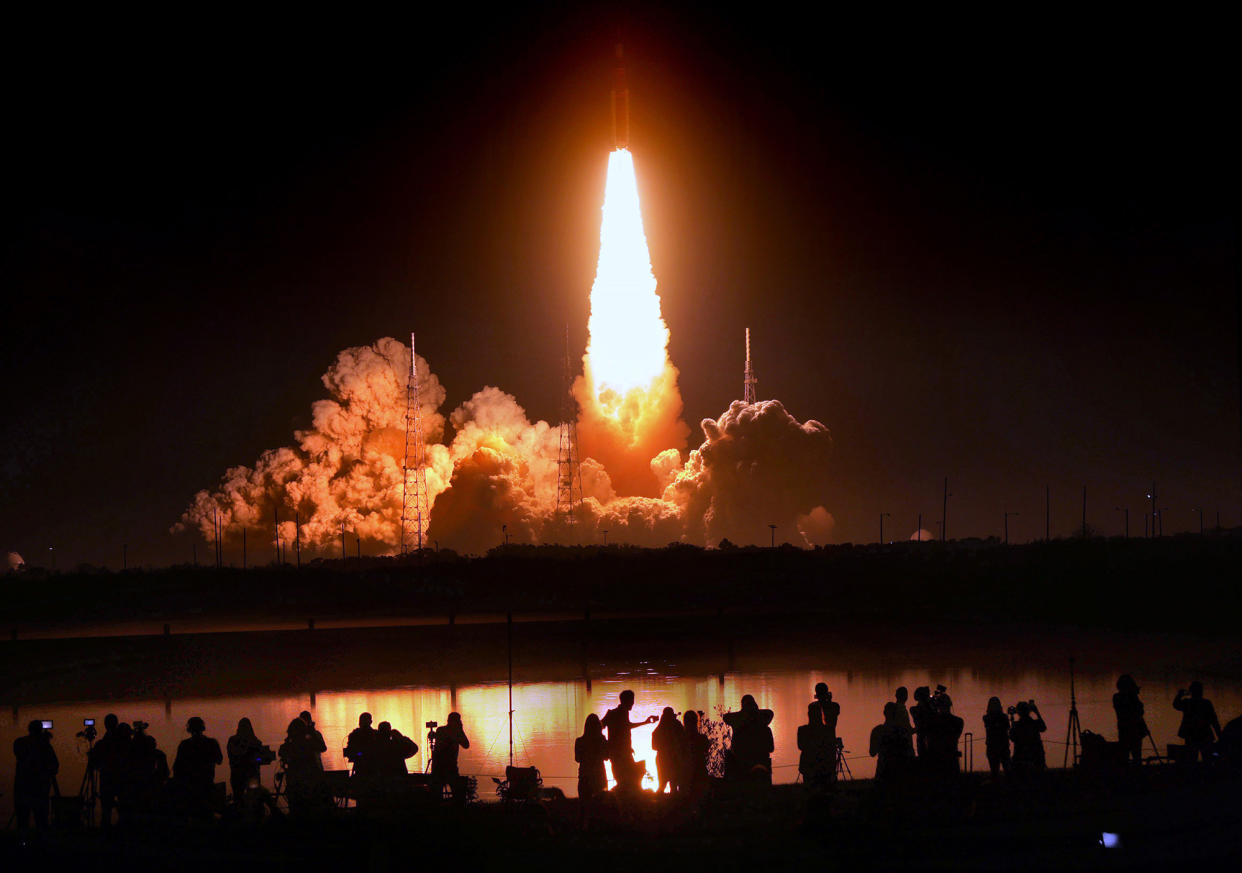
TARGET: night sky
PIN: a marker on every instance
(1001, 251)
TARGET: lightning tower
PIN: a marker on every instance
(415, 512)
(748, 377)
(568, 468)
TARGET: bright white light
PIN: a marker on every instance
(1110, 841)
(628, 334)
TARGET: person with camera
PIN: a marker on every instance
(37, 766)
(749, 758)
(1026, 725)
(314, 737)
(392, 749)
(194, 768)
(1131, 726)
(1200, 727)
(817, 748)
(996, 734)
(247, 753)
(146, 770)
(360, 747)
(305, 787)
(446, 741)
(107, 758)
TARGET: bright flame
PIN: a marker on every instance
(627, 349)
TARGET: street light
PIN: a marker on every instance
(1126, 510)
(773, 527)
(883, 515)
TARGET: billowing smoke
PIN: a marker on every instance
(497, 475)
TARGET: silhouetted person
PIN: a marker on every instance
(304, 781)
(668, 740)
(817, 749)
(945, 730)
(750, 754)
(941, 701)
(890, 744)
(194, 768)
(1028, 745)
(996, 732)
(831, 710)
(360, 747)
(146, 770)
(32, 777)
(590, 751)
(923, 715)
(1200, 727)
(392, 748)
(695, 777)
(244, 750)
(107, 758)
(1131, 727)
(450, 738)
(315, 737)
(627, 771)
(901, 696)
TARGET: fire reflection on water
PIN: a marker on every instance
(548, 716)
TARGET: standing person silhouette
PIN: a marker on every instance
(244, 749)
(360, 747)
(305, 788)
(924, 716)
(900, 696)
(817, 758)
(450, 739)
(890, 745)
(36, 767)
(315, 738)
(627, 771)
(668, 740)
(1200, 727)
(107, 758)
(194, 768)
(1131, 726)
(1028, 746)
(695, 778)
(996, 732)
(831, 709)
(750, 754)
(591, 751)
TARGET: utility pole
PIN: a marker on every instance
(918, 532)
(944, 513)
(276, 540)
(1084, 512)
(605, 532)
(773, 527)
(883, 515)
(1151, 495)
(297, 538)
(568, 467)
(1007, 514)
(1047, 513)
(342, 540)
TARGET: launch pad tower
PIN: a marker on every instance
(748, 377)
(415, 512)
(568, 467)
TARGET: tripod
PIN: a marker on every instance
(842, 765)
(89, 789)
(1073, 733)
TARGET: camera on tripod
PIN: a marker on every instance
(88, 731)
(431, 725)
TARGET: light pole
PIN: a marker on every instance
(605, 532)
(504, 529)
(773, 528)
(1126, 510)
(1007, 514)
(883, 515)
(918, 532)
(52, 549)
(1151, 495)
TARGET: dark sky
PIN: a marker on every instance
(1001, 251)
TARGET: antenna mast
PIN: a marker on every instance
(568, 468)
(748, 378)
(414, 510)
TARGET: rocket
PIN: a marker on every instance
(620, 104)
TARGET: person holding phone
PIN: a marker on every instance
(627, 771)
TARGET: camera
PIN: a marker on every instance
(140, 725)
(1013, 710)
(88, 731)
(265, 755)
(432, 725)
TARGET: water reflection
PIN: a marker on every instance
(549, 715)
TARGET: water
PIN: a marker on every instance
(548, 715)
